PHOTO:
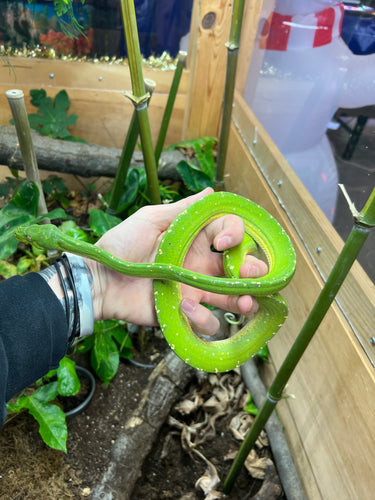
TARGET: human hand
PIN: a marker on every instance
(137, 239)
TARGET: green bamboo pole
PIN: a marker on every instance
(126, 155)
(364, 221)
(17, 105)
(170, 103)
(233, 46)
(139, 97)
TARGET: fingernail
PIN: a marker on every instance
(224, 242)
(188, 306)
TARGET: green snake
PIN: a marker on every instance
(261, 231)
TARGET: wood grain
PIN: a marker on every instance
(207, 63)
(96, 94)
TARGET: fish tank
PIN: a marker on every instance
(50, 26)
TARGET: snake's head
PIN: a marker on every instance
(35, 234)
(21, 233)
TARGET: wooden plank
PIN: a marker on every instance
(96, 95)
(207, 63)
(329, 424)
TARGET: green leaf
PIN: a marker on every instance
(192, 143)
(52, 424)
(23, 264)
(51, 419)
(104, 355)
(67, 378)
(51, 118)
(7, 270)
(100, 222)
(123, 339)
(26, 198)
(263, 354)
(70, 228)
(250, 407)
(21, 208)
(85, 345)
(37, 96)
(206, 157)
(194, 179)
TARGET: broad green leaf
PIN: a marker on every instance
(52, 424)
(104, 355)
(100, 222)
(67, 378)
(70, 228)
(26, 198)
(206, 158)
(194, 179)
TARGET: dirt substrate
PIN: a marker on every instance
(194, 444)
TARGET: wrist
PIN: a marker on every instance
(96, 287)
(70, 279)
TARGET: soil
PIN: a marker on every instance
(31, 470)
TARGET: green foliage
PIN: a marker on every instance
(108, 344)
(263, 354)
(200, 176)
(52, 119)
(250, 406)
(100, 222)
(21, 209)
(55, 188)
(51, 419)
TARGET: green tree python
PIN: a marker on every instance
(261, 231)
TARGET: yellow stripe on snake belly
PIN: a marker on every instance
(225, 355)
(167, 273)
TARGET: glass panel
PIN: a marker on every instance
(161, 25)
(311, 84)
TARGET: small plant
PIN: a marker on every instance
(52, 119)
(199, 175)
(109, 343)
(42, 404)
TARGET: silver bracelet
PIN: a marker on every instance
(81, 276)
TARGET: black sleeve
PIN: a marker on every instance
(33, 334)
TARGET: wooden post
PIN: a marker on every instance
(207, 62)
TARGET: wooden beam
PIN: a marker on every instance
(96, 94)
(207, 64)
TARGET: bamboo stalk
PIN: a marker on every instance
(363, 223)
(233, 46)
(17, 105)
(170, 103)
(126, 155)
(139, 97)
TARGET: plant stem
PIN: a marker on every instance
(17, 105)
(233, 46)
(363, 224)
(139, 97)
(170, 103)
(126, 156)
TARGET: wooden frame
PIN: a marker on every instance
(329, 424)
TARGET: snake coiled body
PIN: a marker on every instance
(168, 274)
